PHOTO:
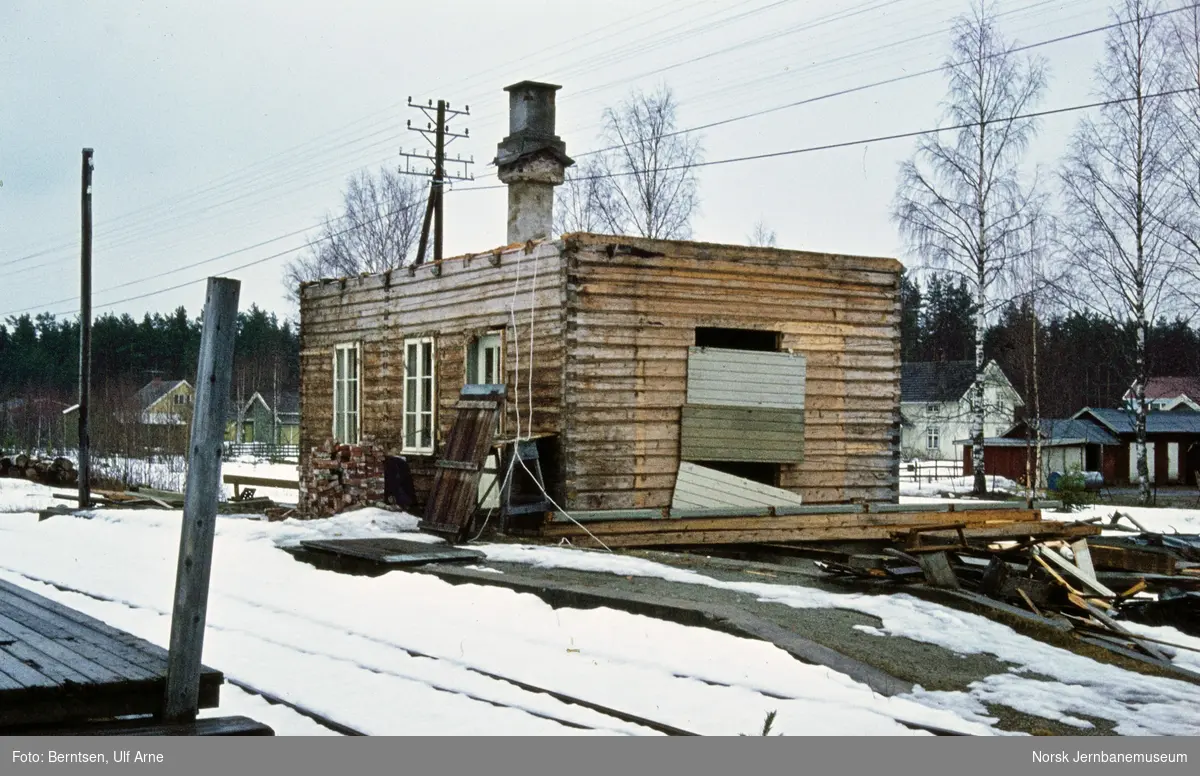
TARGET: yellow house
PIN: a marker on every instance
(166, 402)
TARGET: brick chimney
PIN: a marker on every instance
(531, 160)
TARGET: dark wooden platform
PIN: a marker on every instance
(392, 552)
(59, 667)
(209, 726)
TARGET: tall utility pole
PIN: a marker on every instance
(85, 330)
(437, 127)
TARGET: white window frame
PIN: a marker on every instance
(351, 439)
(501, 379)
(421, 387)
(474, 351)
(933, 434)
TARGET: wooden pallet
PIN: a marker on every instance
(208, 726)
(59, 666)
(392, 552)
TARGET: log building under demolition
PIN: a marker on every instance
(624, 357)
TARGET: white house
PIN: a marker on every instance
(936, 406)
(1169, 393)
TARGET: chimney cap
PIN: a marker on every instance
(532, 85)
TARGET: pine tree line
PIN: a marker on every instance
(1083, 357)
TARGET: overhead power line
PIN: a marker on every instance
(295, 171)
(295, 175)
(713, 163)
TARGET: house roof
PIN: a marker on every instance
(288, 404)
(1066, 431)
(935, 381)
(155, 390)
(1122, 421)
(1170, 388)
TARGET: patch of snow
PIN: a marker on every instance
(1136, 704)
(1156, 519)
(958, 486)
(20, 495)
(403, 653)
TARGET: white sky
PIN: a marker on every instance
(221, 125)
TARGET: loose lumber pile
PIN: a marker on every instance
(809, 525)
(1091, 582)
(48, 471)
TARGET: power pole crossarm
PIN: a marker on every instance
(441, 137)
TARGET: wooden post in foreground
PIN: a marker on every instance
(188, 614)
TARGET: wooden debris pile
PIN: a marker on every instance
(341, 477)
(152, 498)
(48, 471)
(1094, 583)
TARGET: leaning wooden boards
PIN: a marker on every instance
(452, 500)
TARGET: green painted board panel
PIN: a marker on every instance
(714, 433)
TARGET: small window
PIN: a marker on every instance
(419, 395)
(737, 339)
(933, 439)
(483, 360)
(346, 394)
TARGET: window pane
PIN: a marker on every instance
(411, 361)
(427, 394)
(426, 359)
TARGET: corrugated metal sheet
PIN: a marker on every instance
(745, 378)
(767, 435)
(698, 487)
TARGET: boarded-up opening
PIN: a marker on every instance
(737, 339)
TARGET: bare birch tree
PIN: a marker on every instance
(1037, 276)
(763, 236)
(961, 203)
(377, 230)
(576, 202)
(1185, 40)
(1118, 192)
(648, 183)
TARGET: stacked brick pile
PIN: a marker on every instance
(342, 477)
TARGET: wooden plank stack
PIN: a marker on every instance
(796, 524)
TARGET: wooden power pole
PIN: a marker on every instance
(85, 331)
(190, 610)
(437, 127)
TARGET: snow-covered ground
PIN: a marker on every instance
(956, 486)
(402, 654)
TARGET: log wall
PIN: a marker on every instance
(633, 308)
(453, 301)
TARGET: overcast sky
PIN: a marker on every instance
(219, 126)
